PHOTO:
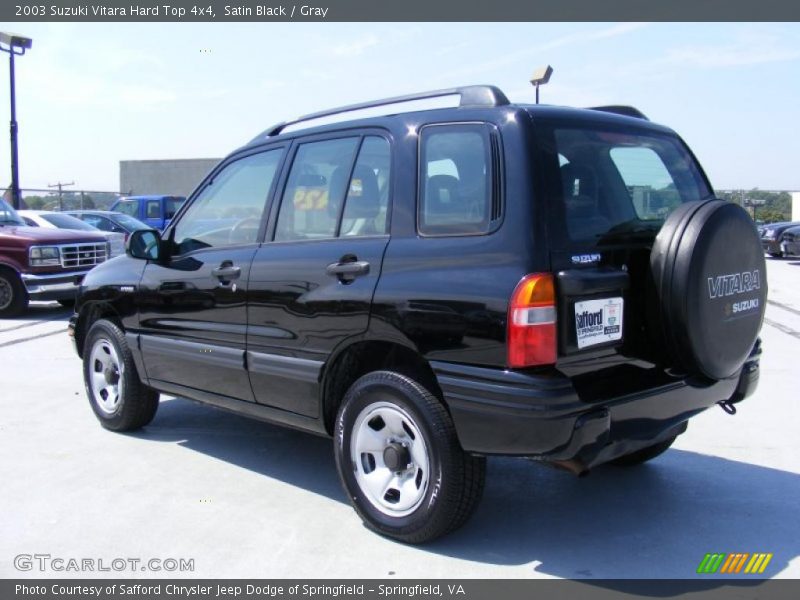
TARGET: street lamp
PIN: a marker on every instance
(540, 77)
(15, 45)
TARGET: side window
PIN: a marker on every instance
(368, 194)
(171, 206)
(315, 189)
(228, 210)
(129, 208)
(153, 209)
(458, 192)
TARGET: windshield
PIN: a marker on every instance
(66, 222)
(8, 216)
(622, 182)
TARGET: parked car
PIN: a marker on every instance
(109, 221)
(61, 220)
(156, 211)
(39, 263)
(790, 241)
(771, 237)
(433, 287)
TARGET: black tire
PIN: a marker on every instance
(776, 254)
(13, 296)
(452, 488)
(644, 455)
(135, 404)
(710, 288)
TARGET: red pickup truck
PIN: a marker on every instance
(43, 264)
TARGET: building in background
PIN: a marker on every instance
(177, 177)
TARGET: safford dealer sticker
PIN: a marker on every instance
(598, 321)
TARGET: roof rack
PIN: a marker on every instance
(471, 95)
(617, 109)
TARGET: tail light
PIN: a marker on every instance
(532, 322)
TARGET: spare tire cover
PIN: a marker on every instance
(709, 273)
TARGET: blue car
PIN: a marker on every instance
(155, 211)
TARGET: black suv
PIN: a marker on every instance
(433, 287)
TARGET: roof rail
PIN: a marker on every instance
(628, 111)
(472, 95)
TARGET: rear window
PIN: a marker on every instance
(622, 182)
(67, 222)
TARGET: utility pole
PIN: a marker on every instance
(15, 45)
(60, 185)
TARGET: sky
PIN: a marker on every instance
(92, 94)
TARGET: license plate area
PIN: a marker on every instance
(598, 321)
(592, 304)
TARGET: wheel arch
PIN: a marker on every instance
(89, 314)
(365, 356)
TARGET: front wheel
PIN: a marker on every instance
(400, 462)
(13, 296)
(120, 401)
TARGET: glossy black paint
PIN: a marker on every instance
(263, 344)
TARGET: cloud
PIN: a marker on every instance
(355, 47)
(570, 39)
(741, 54)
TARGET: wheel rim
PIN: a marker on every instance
(6, 293)
(105, 376)
(390, 459)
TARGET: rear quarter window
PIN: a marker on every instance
(459, 191)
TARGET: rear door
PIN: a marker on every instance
(312, 282)
(612, 186)
(193, 312)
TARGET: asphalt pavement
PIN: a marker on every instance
(240, 498)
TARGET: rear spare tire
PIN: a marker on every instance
(709, 275)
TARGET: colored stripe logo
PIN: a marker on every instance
(733, 563)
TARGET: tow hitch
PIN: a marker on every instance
(727, 406)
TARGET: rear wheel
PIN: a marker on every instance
(400, 462)
(644, 455)
(120, 401)
(13, 296)
(776, 254)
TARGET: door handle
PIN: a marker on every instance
(347, 271)
(226, 272)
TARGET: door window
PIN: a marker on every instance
(315, 189)
(229, 209)
(367, 201)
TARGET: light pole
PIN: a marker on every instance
(540, 77)
(15, 45)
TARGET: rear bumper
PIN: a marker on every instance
(58, 286)
(542, 417)
(771, 246)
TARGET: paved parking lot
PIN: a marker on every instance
(244, 498)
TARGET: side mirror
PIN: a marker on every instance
(144, 244)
